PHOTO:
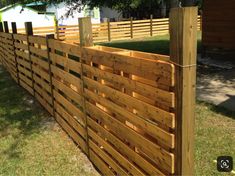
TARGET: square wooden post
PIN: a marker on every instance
(1, 27)
(86, 40)
(183, 52)
(131, 26)
(151, 25)
(6, 29)
(29, 31)
(109, 30)
(48, 37)
(14, 31)
(85, 31)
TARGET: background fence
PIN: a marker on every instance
(130, 112)
(111, 31)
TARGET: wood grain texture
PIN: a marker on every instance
(183, 51)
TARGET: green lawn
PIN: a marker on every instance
(31, 143)
(157, 44)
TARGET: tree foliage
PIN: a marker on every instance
(136, 8)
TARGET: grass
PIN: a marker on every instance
(157, 44)
(31, 143)
(214, 136)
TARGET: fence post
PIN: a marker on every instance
(85, 31)
(109, 31)
(56, 29)
(1, 30)
(6, 29)
(131, 26)
(29, 31)
(14, 31)
(1, 27)
(86, 39)
(183, 51)
(151, 25)
(50, 36)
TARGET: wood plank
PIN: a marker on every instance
(64, 47)
(26, 79)
(123, 149)
(75, 81)
(159, 71)
(24, 71)
(22, 54)
(71, 120)
(43, 94)
(41, 73)
(38, 51)
(115, 154)
(44, 103)
(66, 62)
(70, 93)
(22, 37)
(100, 164)
(161, 157)
(21, 46)
(37, 39)
(143, 109)
(72, 133)
(152, 129)
(41, 82)
(160, 96)
(105, 157)
(71, 108)
(40, 62)
(28, 88)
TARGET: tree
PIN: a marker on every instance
(136, 8)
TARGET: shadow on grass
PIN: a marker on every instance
(20, 116)
(218, 109)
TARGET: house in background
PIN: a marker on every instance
(113, 15)
(61, 9)
(21, 14)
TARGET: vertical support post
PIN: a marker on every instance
(50, 36)
(109, 31)
(6, 29)
(29, 31)
(14, 31)
(56, 30)
(86, 39)
(13, 27)
(1, 27)
(151, 25)
(183, 51)
(131, 26)
(85, 31)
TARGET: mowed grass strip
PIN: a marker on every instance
(31, 142)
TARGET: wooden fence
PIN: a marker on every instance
(111, 31)
(131, 112)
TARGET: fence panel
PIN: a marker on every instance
(68, 90)
(23, 60)
(8, 54)
(130, 112)
(40, 70)
(123, 115)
